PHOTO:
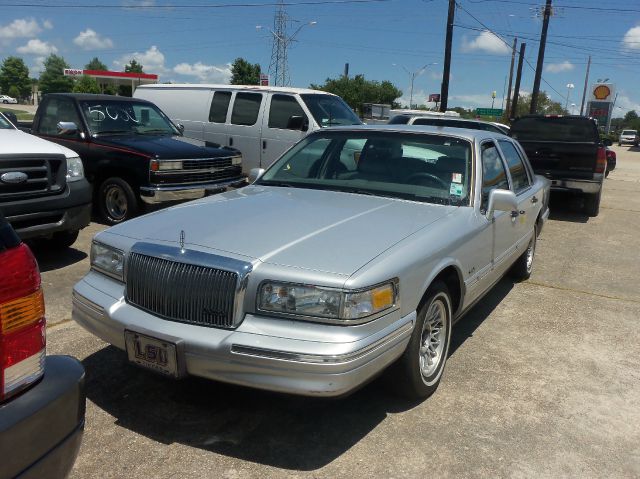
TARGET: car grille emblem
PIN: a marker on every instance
(14, 177)
(182, 241)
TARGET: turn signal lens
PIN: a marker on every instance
(601, 163)
(21, 312)
(382, 297)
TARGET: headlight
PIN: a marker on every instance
(236, 160)
(75, 171)
(319, 302)
(107, 260)
(162, 165)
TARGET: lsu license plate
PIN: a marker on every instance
(152, 353)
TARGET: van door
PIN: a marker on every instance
(284, 123)
(245, 127)
(216, 128)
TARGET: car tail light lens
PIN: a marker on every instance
(22, 322)
(601, 162)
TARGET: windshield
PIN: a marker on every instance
(629, 132)
(4, 124)
(418, 167)
(329, 110)
(113, 117)
(555, 129)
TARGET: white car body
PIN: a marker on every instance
(7, 99)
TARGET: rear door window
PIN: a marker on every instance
(517, 169)
(246, 108)
(219, 106)
(282, 108)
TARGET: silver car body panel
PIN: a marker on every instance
(326, 238)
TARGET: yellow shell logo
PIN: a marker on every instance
(602, 92)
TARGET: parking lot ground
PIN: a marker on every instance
(543, 380)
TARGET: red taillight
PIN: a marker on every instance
(601, 162)
(22, 322)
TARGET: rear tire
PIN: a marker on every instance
(63, 239)
(523, 267)
(117, 201)
(592, 204)
(419, 369)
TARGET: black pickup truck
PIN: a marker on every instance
(568, 151)
(133, 154)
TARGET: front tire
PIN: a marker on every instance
(420, 367)
(117, 201)
(523, 267)
(63, 239)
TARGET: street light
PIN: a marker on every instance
(413, 76)
(570, 86)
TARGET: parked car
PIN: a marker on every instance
(42, 398)
(449, 122)
(43, 191)
(133, 153)
(629, 137)
(7, 99)
(261, 122)
(611, 161)
(358, 250)
(568, 151)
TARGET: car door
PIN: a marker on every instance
(522, 185)
(245, 127)
(278, 133)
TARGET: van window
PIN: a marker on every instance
(219, 106)
(246, 108)
(282, 108)
(330, 110)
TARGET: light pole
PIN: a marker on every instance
(570, 86)
(413, 76)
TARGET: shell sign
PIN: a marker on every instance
(602, 92)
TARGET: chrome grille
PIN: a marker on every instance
(205, 163)
(181, 292)
(46, 175)
(182, 177)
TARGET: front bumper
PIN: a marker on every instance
(263, 352)
(577, 186)
(41, 430)
(161, 194)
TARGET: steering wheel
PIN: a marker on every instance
(423, 175)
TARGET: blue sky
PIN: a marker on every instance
(192, 41)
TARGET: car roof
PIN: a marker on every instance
(98, 97)
(464, 133)
(209, 86)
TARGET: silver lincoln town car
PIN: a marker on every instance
(356, 251)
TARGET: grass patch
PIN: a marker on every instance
(21, 114)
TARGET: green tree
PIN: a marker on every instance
(630, 117)
(546, 106)
(358, 90)
(95, 64)
(52, 79)
(133, 67)
(14, 73)
(86, 84)
(244, 73)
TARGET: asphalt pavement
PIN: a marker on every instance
(543, 379)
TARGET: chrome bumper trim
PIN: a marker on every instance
(160, 194)
(91, 307)
(583, 186)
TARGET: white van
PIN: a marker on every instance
(261, 122)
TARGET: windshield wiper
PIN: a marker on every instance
(275, 183)
(153, 130)
(112, 132)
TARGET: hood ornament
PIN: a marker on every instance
(182, 241)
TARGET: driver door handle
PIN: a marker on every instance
(534, 200)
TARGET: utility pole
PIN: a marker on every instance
(513, 57)
(516, 90)
(539, 65)
(444, 91)
(586, 80)
(346, 70)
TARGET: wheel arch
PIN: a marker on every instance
(450, 274)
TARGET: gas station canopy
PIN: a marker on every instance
(116, 79)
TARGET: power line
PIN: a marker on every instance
(208, 5)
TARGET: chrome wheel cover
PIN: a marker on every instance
(433, 338)
(115, 201)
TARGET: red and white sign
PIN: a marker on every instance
(264, 80)
(603, 92)
(73, 72)
(434, 97)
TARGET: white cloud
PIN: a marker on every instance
(152, 60)
(35, 46)
(632, 38)
(48, 24)
(205, 73)
(485, 42)
(625, 104)
(37, 67)
(565, 66)
(91, 40)
(20, 28)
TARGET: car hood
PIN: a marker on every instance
(166, 146)
(312, 229)
(17, 142)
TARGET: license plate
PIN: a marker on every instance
(151, 353)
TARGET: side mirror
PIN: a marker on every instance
(180, 127)
(298, 123)
(255, 174)
(67, 128)
(501, 200)
(11, 116)
(607, 142)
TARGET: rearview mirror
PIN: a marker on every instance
(297, 123)
(501, 200)
(67, 128)
(255, 174)
(180, 127)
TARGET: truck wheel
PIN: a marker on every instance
(420, 367)
(592, 204)
(522, 268)
(63, 239)
(117, 201)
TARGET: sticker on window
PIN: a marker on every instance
(455, 189)
(456, 177)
